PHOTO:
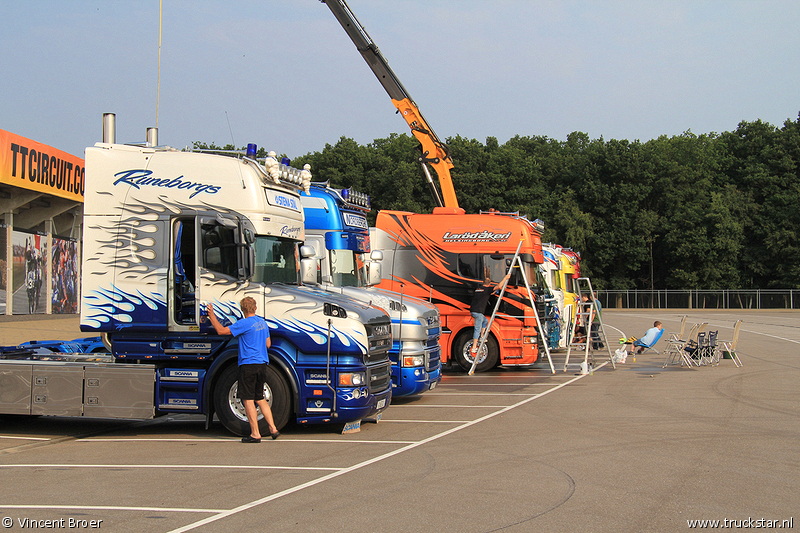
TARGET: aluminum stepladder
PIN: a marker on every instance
(515, 262)
(584, 315)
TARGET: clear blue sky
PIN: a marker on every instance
(285, 76)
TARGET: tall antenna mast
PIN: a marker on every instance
(158, 80)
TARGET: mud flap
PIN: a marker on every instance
(352, 427)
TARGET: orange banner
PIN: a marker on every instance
(35, 166)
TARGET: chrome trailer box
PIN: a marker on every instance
(15, 388)
(119, 391)
(57, 389)
(99, 390)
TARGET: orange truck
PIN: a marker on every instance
(442, 256)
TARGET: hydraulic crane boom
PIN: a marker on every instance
(434, 152)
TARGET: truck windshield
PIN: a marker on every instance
(276, 260)
(532, 274)
(347, 268)
(535, 277)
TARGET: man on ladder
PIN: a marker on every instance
(478, 345)
(477, 309)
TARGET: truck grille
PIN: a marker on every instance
(379, 377)
(380, 341)
(433, 355)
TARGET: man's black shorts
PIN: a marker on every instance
(251, 381)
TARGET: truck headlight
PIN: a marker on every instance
(529, 340)
(351, 379)
(413, 360)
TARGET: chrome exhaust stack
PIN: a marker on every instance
(152, 136)
(109, 128)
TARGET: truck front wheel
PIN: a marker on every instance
(230, 410)
(487, 357)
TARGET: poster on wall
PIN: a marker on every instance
(28, 290)
(3, 271)
(65, 276)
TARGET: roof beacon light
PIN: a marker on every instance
(355, 198)
(251, 150)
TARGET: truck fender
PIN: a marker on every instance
(221, 362)
(277, 359)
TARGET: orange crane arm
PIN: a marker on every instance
(434, 151)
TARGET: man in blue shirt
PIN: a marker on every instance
(648, 338)
(253, 334)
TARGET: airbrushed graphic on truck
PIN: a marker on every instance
(138, 178)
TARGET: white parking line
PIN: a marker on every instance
(433, 393)
(456, 406)
(141, 439)
(426, 421)
(115, 508)
(492, 378)
(467, 394)
(283, 439)
(181, 466)
(22, 438)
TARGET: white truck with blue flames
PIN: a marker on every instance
(167, 232)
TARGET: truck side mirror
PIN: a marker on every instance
(308, 265)
(248, 258)
(374, 268)
(307, 251)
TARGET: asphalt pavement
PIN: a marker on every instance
(639, 448)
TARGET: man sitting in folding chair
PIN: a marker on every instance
(648, 340)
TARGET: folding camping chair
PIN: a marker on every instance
(648, 347)
(729, 347)
(692, 346)
(676, 348)
(695, 349)
(678, 336)
(709, 353)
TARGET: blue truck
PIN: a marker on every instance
(336, 227)
(166, 232)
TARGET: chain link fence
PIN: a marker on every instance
(701, 299)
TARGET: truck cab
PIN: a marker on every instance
(336, 227)
(569, 272)
(444, 255)
(555, 319)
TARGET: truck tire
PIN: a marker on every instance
(230, 409)
(487, 358)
